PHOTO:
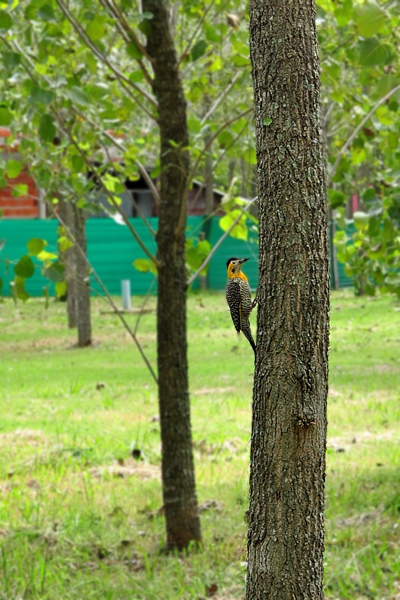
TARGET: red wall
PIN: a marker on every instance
(23, 207)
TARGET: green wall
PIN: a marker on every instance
(112, 249)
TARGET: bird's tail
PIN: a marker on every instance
(247, 332)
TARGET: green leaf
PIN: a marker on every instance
(212, 35)
(198, 50)
(369, 195)
(369, 18)
(145, 26)
(336, 198)
(77, 163)
(40, 96)
(47, 129)
(20, 189)
(77, 96)
(360, 220)
(44, 256)
(46, 13)
(96, 28)
(240, 230)
(343, 13)
(61, 288)
(24, 267)
(250, 156)
(374, 227)
(144, 265)
(196, 254)
(13, 169)
(136, 76)
(19, 288)
(5, 116)
(194, 125)
(55, 271)
(240, 61)
(224, 138)
(133, 50)
(372, 52)
(11, 60)
(5, 20)
(386, 116)
(35, 246)
(267, 121)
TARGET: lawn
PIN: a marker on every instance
(81, 519)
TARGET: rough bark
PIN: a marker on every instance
(68, 258)
(286, 526)
(209, 180)
(179, 491)
(82, 281)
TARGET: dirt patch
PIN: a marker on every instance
(128, 468)
(27, 436)
(358, 520)
(360, 437)
(212, 391)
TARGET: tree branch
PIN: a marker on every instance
(196, 31)
(83, 116)
(357, 129)
(128, 34)
(196, 164)
(110, 300)
(109, 195)
(233, 142)
(121, 147)
(221, 98)
(140, 213)
(124, 81)
(221, 239)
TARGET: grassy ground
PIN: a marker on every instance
(78, 516)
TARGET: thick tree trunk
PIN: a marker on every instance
(179, 491)
(82, 281)
(68, 258)
(286, 526)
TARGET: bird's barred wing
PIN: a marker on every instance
(234, 302)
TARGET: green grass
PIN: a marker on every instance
(78, 517)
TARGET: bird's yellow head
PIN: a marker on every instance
(234, 266)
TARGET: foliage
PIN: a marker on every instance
(361, 92)
(372, 253)
(77, 88)
(50, 264)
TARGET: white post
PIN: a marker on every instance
(126, 294)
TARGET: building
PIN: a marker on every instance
(136, 201)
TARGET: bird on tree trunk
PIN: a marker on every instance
(238, 296)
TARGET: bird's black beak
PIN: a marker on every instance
(242, 260)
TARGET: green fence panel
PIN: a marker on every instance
(112, 250)
(16, 233)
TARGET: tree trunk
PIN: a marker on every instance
(209, 179)
(179, 491)
(82, 281)
(68, 258)
(286, 527)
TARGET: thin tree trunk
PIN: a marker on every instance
(68, 258)
(179, 491)
(209, 179)
(82, 282)
(286, 523)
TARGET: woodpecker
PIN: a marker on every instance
(238, 296)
